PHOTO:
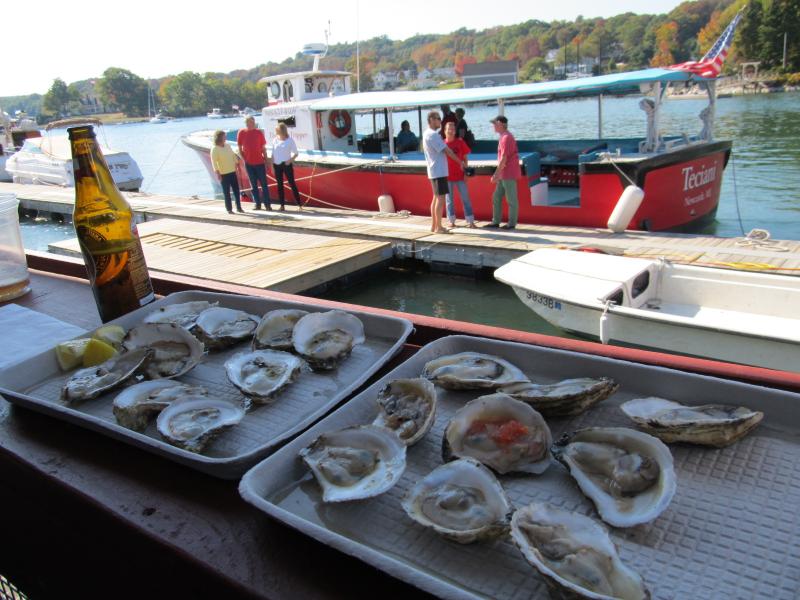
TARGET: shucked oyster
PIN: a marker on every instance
(275, 329)
(136, 405)
(407, 407)
(219, 327)
(472, 371)
(91, 382)
(356, 462)
(175, 350)
(628, 474)
(565, 398)
(461, 500)
(262, 373)
(324, 339)
(183, 314)
(194, 421)
(715, 425)
(502, 433)
(574, 555)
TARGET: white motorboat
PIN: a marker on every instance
(13, 132)
(48, 160)
(736, 316)
(215, 114)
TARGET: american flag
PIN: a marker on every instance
(710, 66)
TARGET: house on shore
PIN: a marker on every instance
(490, 74)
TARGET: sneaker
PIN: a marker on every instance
(507, 226)
(230, 212)
(452, 223)
(268, 207)
(491, 226)
(471, 225)
(257, 208)
(239, 209)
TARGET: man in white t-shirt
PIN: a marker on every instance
(436, 152)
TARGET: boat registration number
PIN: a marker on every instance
(547, 301)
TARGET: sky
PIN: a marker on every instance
(81, 39)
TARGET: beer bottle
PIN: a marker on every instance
(106, 232)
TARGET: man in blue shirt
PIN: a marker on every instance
(406, 140)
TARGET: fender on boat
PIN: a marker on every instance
(629, 202)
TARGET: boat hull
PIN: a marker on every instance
(647, 333)
(676, 197)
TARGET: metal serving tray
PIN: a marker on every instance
(731, 531)
(36, 383)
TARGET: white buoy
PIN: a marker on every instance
(626, 207)
(385, 203)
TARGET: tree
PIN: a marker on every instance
(666, 44)
(123, 90)
(185, 95)
(747, 40)
(58, 98)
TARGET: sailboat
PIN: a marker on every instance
(155, 117)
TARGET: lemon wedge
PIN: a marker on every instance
(70, 353)
(110, 334)
(96, 352)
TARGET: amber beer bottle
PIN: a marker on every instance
(106, 232)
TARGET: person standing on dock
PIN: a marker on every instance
(253, 148)
(436, 153)
(224, 160)
(505, 176)
(284, 151)
(455, 177)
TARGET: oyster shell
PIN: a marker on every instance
(502, 433)
(175, 350)
(715, 425)
(574, 554)
(194, 421)
(356, 462)
(461, 500)
(275, 329)
(472, 371)
(407, 407)
(629, 475)
(324, 339)
(564, 398)
(136, 405)
(261, 374)
(183, 314)
(89, 383)
(219, 327)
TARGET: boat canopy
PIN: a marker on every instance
(284, 76)
(613, 83)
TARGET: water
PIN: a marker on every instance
(761, 186)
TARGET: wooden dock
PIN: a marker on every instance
(409, 236)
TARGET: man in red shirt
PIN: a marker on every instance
(505, 176)
(253, 148)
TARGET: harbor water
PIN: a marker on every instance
(761, 185)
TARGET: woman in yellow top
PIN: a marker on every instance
(224, 162)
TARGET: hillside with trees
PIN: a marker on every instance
(624, 42)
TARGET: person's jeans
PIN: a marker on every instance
(288, 170)
(229, 181)
(464, 193)
(258, 174)
(507, 188)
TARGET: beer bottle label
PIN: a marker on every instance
(138, 270)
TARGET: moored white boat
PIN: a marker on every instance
(48, 160)
(736, 316)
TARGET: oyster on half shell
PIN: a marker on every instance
(461, 500)
(564, 398)
(502, 433)
(574, 554)
(218, 327)
(715, 425)
(472, 371)
(136, 405)
(325, 339)
(183, 314)
(261, 374)
(629, 475)
(356, 462)
(275, 329)
(195, 420)
(407, 407)
(89, 383)
(175, 350)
